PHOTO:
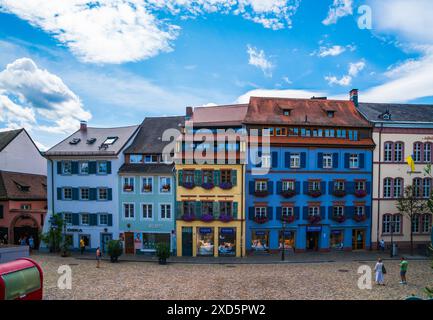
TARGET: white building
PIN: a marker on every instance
(18, 153)
(400, 130)
(82, 183)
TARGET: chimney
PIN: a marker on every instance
(354, 97)
(188, 113)
(83, 125)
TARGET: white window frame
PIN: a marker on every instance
(133, 156)
(80, 189)
(80, 168)
(129, 212)
(426, 187)
(354, 161)
(398, 187)
(314, 211)
(360, 185)
(63, 193)
(338, 210)
(417, 150)
(258, 185)
(260, 212)
(100, 219)
(142, 184)
(295, 160)
(266, 160)
(81, 219)
(66, 220)
(98, 193)
(288, 185)
(427, 146)
(398, 151)
(426, 223)
(327, 161)
(160, 211)
(63, 167)
(387, 152)
(287, 211)
(142, 217)
(129, 181)
(387, 188)
(97, 167)
(160, 185)
(359, 210)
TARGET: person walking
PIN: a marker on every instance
(403, 270)
(98, 257)
(31, 243)
(23, 241)
(382, 245)
(82, 245)
(380, 270)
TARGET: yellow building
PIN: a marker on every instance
(210, 206)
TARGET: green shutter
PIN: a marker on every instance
(180, 179)
(92, 193)
(198, 208)
(74, 165)
(216, 207)
(197, 177)
(59, 167)
(234, 177)
(235, 210)
(110, 194)
(59, 193)
(216, 177)
(110, 219)
(108, 167)
(179, 208)
(75, 219)
(74, 193)
(92, 167)
(93, 217)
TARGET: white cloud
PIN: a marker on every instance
(338, 9)
(118, 31)
(346, 80)
(258, 59)
(330, 51)
(36, 99)
(288, 93)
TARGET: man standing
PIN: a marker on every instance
(403, 270)
(82, 245)
(382, 245)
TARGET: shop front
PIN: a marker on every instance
(313, 237)
(260, 240)
(337, 239)
(358, 239)
(287, 237)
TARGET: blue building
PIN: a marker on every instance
(311, 190)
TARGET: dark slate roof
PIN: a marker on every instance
(7, 136)
(148, 139)
(65, 148)
(141, 168)
(398, 112)
(22, 186)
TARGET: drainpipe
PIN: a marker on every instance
(379, 187)
(243, 220)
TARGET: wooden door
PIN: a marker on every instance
(129, 243)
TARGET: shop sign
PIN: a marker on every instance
(287, 233)
(227, 230)
(336, 231)
(74, 230)
(260, 233)
(314, 228)
(205, 230)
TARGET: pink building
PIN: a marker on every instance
(23, 205)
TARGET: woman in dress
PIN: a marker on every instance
(379, 269)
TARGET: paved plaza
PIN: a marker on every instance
(331, 279)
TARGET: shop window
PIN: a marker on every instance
(260, 240)
(150, 240)
(288, 238)
(205, 241)
(337, 239)
(227, 242)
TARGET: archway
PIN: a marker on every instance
(24, 225)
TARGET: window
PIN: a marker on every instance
(417, 189)
(188, 176)
(313, 185)
(295, 160)
(266, 161)
(146, 211)
(260, 212)
(386, 223)
(287, 211)
(415, 223)
(398, 152)
(188, 208)
(261, 185)
(354, 161)
(341, 133)
(359, 210)
(397, 223)
(207, 176)
(68, 218)
(391, 223)
(426, 223)
(136, 158)
(146, 184)
(339, 185)
(226, 208)
(128, 211)
(417, 151)
(151, 158)
(85, 218)
(313, 211)
(398, 187)
(360, 185)
(387, 183)
(67, 193)
(26, 206)
(128, 184)
(102, 194)
(165, 211)
(330, 114)
(288, 185)
(84, 168)
(110, 140)
(164, 184)
(84, 193)
(102, 167)
(280, 132)
(427, 152)
(426, 187)
(338, 211)
(327, 161)
(66, 167)
(226, 176)
(207, 208)
(387, 152)
(103, 219)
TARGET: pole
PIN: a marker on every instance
(284, 240)
(392, 238)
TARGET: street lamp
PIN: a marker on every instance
(284, 240)
(392, 222)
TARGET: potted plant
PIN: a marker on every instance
(147, 188)
(226, 185)
(188, 185)
(225, 218)
(115, 250)
(207, 185)
(315, 193)
(166, 188)
(162, 252)
(359, 218)
(188, 217)
(339, 193)
(261, 193)
(339, 218)
(288, 219)
(261, 220)
(314, 219)
(288, 193)
(207, 217)
(127, 188)
(360, 193)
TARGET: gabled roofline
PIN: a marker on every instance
(20, 130)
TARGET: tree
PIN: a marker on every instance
(410, 205)
(53, 238)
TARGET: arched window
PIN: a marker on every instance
(387, 187)
(427, 152)
(398, 187)
(417, 151)
(398, 151)
(397, 223)
(426, 187)
(417, 187)
(426, 223)
(386, 223)
(416, 218)
(387, 156)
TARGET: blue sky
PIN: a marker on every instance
(113, 62)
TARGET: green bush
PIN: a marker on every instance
(115, 249)
(162, 252)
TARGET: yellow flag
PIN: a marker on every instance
(411, 163)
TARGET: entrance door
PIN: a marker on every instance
(129, 243)
(187, 241)
(313, 240)
(105, 238)
(26, 232)
(358, 239)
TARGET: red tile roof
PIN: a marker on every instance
(22, 186)
(270, 111)
(229, 115)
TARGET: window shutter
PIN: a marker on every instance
(93, 217)
(234, 177)
(197, 177)
(323, 187)
(330, 187)
(180, 179)
(278, 213)
(279, 187)
(320, 160)
(92, 193)
(179, 208)
(258, 158)
(270, 187)
(367, 211)
(110, 220)
(216, 207)
(274, 159)
(217, 177)
(349, 211)
(74, 193)
(251, 213)
(75, 219)
(296, 212)
(346, 160)
(235, 209)
(92, 167)
(303, 159)
(330, 211)
(74, 166)
(335, 160)
(323, 212)
(361, 160)
(297, 187)
(59, 194)
(59, 167)
(251, 187)
(287, 159)
(304, 213)
(198, 208)
(108, 167)
(368, 187)
(305, 187)
(110, 194)
(350, 187)
(269, 212)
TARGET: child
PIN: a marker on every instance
(98, 257)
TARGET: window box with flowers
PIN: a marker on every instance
(261, 193)
(314, 219)
(261, 219)
(188, 185)
(188, 217)
(359, 217)
(226, 185)
(207, 217)
(340, 218)
(207, 185)
(288, 218)
(225, 218)
(165, 188)
(315, 193)
(128, 188)
(339, 193)
(361, 193)
(147, 188)
(288, 193)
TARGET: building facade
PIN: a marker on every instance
(23, 205)
(400, 130)
(311, 190)
(83, 185)
(210, 215)
(147, 189)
